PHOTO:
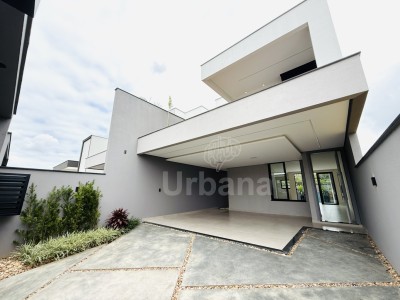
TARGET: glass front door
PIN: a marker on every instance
(331, 187)
(326, 188)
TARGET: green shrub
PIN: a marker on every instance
(51, 219)
(32, 218)
(61, 212)
(132, 223)
(69, 210)
(63, 246)
(87, 200)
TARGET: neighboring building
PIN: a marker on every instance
(94, 148)
(68, 165)
(93, 154)
(294, 105)
(92, 158)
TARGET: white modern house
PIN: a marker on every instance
(293, 102)
(281, 153)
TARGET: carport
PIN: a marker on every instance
(275, 232)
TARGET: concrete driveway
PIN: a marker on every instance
(153, 262)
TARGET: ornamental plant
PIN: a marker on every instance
(118, 220)
(68, 244)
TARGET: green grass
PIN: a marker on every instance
(63, 246)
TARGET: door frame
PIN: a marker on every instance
(347, 175)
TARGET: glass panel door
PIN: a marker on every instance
(326, 186)
(331, 187)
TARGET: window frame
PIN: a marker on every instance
(286, 179)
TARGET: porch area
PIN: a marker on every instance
(277, 232)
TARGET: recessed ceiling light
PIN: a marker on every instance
(245, 92)
(263, 84)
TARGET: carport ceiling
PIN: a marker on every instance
(274, 140)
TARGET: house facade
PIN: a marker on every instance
(284, 143)
(292, 102)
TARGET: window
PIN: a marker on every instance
(287, 181)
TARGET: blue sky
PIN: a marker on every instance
(80, 51)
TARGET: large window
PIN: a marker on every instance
(287, 181)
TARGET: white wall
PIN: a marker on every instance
(133, 181)
(379, 206)
(45, 181)
(262, 204)
(97, 144)
(95, 160)
(315, 13)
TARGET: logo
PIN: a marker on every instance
(220, 151)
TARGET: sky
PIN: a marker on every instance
(80, 51)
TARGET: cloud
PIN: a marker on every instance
(158, 68)
(77, 57)
(41, 142)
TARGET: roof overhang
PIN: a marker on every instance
(303, 34)
(27, 7)
(306, 113)
(15, 27)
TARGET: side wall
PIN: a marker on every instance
(45, 181)
(262, 204)
(134, 181)
(379, 206)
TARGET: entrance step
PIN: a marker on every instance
(352, 228)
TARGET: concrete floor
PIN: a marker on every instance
(153, 262)
(271, 231)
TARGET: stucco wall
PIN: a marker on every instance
(262, 204)
(379, 206)
(133, 181)
(315, 13)
(45, 180)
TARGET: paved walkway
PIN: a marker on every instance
(153, 262)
